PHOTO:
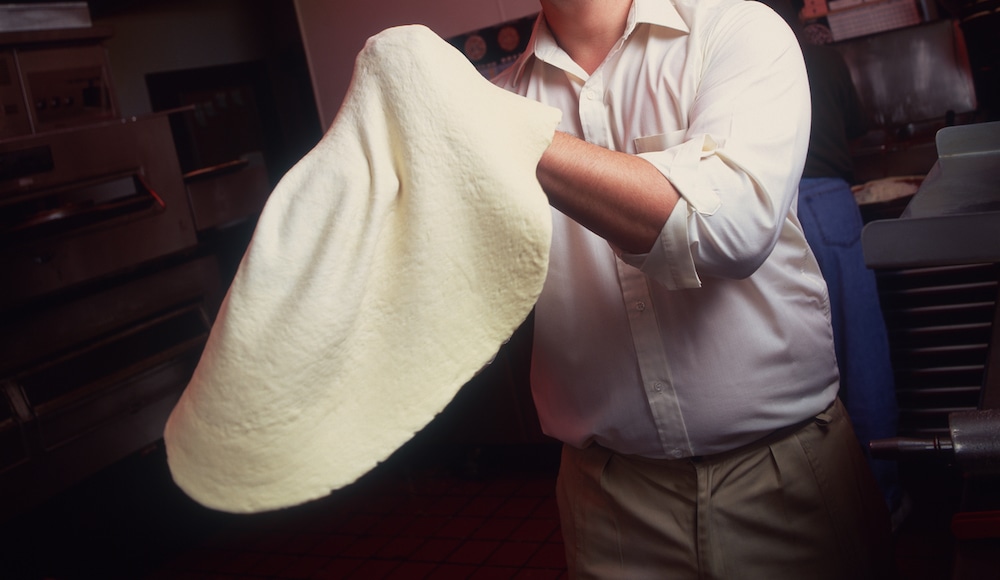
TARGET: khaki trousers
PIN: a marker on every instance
(799, 504)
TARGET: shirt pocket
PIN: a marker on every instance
(659, 142)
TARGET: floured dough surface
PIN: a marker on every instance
(887, 189)
(387, 268)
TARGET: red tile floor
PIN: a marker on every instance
(432, 523)
(480, 513)
(446, 514)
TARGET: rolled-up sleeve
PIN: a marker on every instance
(738, 163)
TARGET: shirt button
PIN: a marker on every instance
(675, 453)
(590, 94)
(640, 306)
(658, 387)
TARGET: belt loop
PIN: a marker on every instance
(826, 417)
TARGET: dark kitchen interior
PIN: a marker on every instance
(126, 205)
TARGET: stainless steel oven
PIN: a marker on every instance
(106, 296)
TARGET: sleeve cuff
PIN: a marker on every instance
(669, 261)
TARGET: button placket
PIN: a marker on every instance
(653, 364)
(592, 114)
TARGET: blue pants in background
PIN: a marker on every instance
(832, 222)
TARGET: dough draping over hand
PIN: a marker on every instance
(388, 266)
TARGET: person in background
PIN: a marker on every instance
(832, 223)
(682, 347)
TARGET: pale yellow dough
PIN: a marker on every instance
(387, 268)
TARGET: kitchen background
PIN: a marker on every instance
(124, 214)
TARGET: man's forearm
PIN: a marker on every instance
(620, 197)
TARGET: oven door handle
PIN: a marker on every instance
(73, 215)
(217, 170)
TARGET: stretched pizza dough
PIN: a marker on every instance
(387, 268)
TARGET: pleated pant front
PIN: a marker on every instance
(799, 504)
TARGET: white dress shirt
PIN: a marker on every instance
(721, 333)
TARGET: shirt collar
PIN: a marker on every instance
(657, 13)
(543, 46)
